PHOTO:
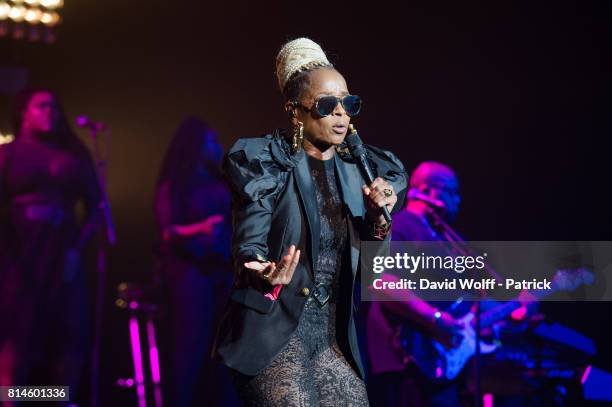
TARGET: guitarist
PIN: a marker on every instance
(395, 380)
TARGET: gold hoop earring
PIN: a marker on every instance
(298, 137)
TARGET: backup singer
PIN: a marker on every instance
(44, 173)
(300, 210)
(192, 208)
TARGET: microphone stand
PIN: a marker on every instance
(459, 245)
(109, 239)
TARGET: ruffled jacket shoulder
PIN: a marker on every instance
(386, 165)
(257, 167)
(391, 168)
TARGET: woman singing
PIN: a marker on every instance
(44, 173)
(300, 210)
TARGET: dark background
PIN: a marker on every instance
(515, 97)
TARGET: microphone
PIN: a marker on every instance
(415, 194)
(358, 152)
(86, 123)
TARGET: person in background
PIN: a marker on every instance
(44, 174)
(192, 207)
(395, 380)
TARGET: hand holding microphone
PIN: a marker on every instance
(379, 199)
(379, 195)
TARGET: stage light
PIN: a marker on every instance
(33, 16)
(50, 19)
(52, 4)
(6, 138)
(5, 9)
(17, 13)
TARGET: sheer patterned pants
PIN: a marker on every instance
(309, 371)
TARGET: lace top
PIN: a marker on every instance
(333, 228)
(317, 327)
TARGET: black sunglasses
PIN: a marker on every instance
(326, 105)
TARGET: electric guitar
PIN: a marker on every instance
(439, 363)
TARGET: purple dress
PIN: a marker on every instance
(43, 298)
(196, 279)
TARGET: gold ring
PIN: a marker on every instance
(388, 192)
(266, 276)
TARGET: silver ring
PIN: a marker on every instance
(388, 192)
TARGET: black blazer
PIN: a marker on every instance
(274, 206)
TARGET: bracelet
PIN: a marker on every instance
(262, 259)
(380, 232)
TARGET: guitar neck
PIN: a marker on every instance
(504, 310)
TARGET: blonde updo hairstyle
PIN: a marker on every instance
(294, 62)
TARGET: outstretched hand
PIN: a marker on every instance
(280, 273)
